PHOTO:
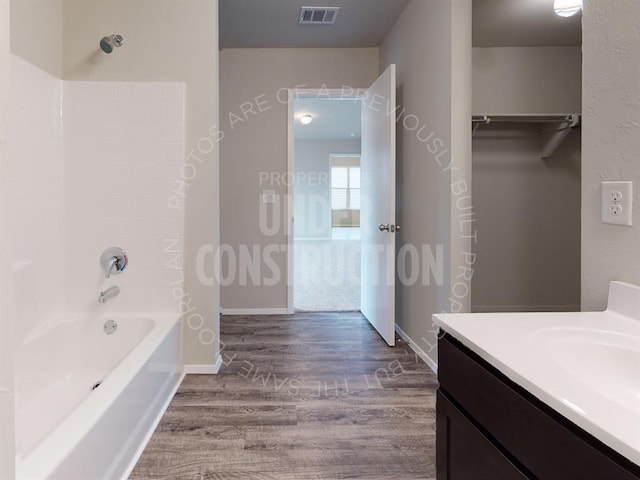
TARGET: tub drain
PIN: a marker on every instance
(110, 327)
(96, 385)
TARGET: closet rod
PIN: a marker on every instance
(566, 122)
(487, 119)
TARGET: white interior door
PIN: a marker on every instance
(378, 205)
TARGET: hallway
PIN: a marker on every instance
(305, 396)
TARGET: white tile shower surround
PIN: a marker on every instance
(35, 191)
(93, 165)
(123, 149)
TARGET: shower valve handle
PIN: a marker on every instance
(113, 260)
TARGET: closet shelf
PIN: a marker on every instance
(560, 125)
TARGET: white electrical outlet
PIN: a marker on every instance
(615, 210)
(617, 203)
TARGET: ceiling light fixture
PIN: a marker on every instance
(306, 119)
(567, 8)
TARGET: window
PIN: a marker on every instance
(345, 188)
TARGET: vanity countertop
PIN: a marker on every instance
(584, 365)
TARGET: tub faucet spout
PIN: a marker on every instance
(108, 293)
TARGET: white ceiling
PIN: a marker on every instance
(365, 23)
(332, 118)
(274, 23)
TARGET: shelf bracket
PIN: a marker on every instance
(559, 134)
(477, 121)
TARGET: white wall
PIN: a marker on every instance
(168, 41)
(36, 33)
(258, 143)
(462, 232)
(527, 80)
(312, 206)
(527, 210)
(123, 150)
(430, 43)
(611, 142)
(7, 416)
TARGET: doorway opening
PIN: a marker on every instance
(326, 203)
(527, 167)
(369, 184)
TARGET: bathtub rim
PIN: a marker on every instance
(46, 457)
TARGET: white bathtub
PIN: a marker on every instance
(67, 431)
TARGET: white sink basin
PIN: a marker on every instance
(585, 365)
(606, 362)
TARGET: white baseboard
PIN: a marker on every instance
(524, 308)
(205, 369)
(254, 311)
(416, 348)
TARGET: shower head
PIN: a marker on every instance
(107, 43)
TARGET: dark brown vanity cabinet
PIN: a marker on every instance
(489, 428)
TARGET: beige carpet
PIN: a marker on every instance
(327, 275)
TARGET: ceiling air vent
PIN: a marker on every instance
(318, 15)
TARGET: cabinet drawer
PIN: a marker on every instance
(464, 453)
(545, 443)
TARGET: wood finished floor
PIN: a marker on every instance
(305, 396)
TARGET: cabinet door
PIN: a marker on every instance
(464, 453)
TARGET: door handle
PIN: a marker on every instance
(385, 227)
